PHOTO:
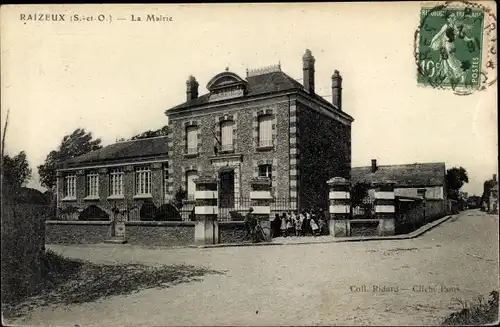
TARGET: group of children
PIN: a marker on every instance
(305, 223)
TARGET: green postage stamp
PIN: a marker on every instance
(451, 43)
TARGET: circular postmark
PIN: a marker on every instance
(455, 47)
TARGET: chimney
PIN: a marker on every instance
(308, 71)
(337, 89)
(374, 165)
(191, 88)
(494, 177)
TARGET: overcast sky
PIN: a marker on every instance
(117, 79)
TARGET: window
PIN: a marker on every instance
(265, 171)
(142, 181)
(265, 130)
(116, 182)
(70, 186)
(227, 135)
(192, 139)
(190, 184)
(92, 184)
(165, 179)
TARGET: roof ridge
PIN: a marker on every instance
(140, 139)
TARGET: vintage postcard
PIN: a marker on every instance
(263, 164)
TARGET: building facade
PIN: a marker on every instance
(411, 180)
(267, 124)
(122, 175)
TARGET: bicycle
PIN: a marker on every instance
(259, 234)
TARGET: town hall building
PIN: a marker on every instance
(266, 124)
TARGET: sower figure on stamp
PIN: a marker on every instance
(451, 68)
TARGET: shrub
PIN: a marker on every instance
(167, 212)
(148, 211)
(93, 212)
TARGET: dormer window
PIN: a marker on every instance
(226, 85)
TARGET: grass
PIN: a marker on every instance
(481, 312)
(67, 281)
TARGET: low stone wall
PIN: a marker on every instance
(363, 227)
(227, 234)
(77, 232)
(163, 233)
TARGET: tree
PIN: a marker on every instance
(73, 145)
(16, 170)
(148, 134)
(455, 179)
(359, 191)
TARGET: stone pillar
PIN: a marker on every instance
(260, 200)
(385, 209)
(340, 206)
(206, 211)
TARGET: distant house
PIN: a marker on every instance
(128, 172)
(410, 179)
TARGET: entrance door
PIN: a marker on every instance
(119, 222)
(226, 189)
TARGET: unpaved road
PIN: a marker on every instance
(316, 284)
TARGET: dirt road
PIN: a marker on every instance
(400, 282)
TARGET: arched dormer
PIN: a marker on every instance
(226, 85)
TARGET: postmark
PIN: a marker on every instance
(455, 47)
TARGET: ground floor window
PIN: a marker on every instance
(116, 182)
(143, 181)
(266, 171)
(190, 184)
(70, 186)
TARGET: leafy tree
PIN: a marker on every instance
(359, 191)
(16, 170)
(455, 179)
(73, 145)
(148, 134)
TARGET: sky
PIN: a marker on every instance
(116, 79)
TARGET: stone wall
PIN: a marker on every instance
(227, 234)
(77, 232)
(23, 248)
(413, 214)
(161, 233)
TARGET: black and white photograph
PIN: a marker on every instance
(249, 164)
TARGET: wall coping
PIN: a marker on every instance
(161, 223)
(77, 222)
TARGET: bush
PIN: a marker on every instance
(481, 313)
(167, 212)
(148, 211)
(93, 212)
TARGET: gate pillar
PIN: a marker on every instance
(340, 206)
(385, 209)
(260, 200)
(206, 211)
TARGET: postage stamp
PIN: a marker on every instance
(453, 42)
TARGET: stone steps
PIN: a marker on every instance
(116, 240)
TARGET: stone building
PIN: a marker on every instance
(410, 180)
(124, 174)
(266, 124)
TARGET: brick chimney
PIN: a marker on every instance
(191, 88)
(308, 71)
(337, 90)
(374, 165)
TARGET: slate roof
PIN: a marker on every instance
(261, 84)
(411, 175)
(134, 149)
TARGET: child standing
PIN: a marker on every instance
(314, 227)
(298, 224)
(289, 225)
(283, 226)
